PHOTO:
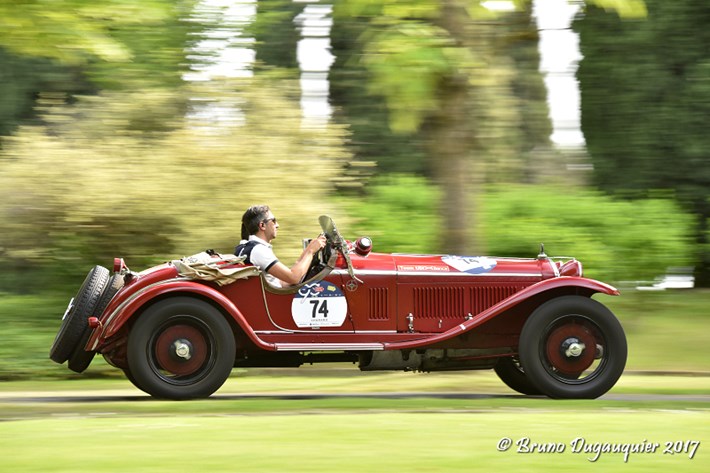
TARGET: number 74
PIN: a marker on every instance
(323, 309)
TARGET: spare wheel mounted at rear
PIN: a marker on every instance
(80, 359)
(74, 322)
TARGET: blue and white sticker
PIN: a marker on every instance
(470, 264)
(320, 304)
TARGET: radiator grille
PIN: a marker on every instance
(440, 302)
(378, 303)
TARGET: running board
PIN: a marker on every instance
(328, 346)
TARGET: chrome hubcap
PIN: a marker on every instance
(572, 347)
(182, 349)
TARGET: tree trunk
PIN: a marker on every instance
(449, 152)
(451, 141)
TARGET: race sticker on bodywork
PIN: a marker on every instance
(320, 304)
(470, 264)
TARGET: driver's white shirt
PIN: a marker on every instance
(263, 257)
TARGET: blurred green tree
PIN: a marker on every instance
(604, 233)
(645, 102)
(364, 110)
(276, 33)
(83, 46)
(84, 187)
(515, 219)
(437, 66)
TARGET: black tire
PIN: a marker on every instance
(80, 309)
(573, 347)
(80, 359)
(133, 381)
(511, 373)
(181, 348)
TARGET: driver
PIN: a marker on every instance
(259, 228)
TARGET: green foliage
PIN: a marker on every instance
(412, 47)
(76, 31)
(23, 78)
(650, 134)
(362, 108)
(71, 31)
(88, 186)
(616, 240)
(68, 47)
(30, 324)
(420, 55)
(408, 50)
(275, 32)
(398, 213)
(624, 8)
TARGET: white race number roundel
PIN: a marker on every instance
(320, 304)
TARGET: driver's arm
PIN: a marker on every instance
(293, 275)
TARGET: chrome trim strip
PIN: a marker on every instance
(327, 332)
(328, 346)
(434, 273)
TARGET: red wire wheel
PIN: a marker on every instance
(181, 350)
(571, 348)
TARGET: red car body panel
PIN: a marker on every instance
(402, 302)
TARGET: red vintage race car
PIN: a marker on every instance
(177, 329)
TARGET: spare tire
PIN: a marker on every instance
(75, 318)
(80, 359)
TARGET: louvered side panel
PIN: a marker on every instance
(486, 296)
(378, 304)
(439, 302)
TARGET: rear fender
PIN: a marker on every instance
(582, 286)
(128, 309)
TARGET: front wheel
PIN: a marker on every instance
(181, 348)
(573, 347)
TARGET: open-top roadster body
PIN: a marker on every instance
(178, 329)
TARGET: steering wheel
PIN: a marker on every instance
(333, 238)
(319, 262)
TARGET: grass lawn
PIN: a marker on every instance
(360, 442)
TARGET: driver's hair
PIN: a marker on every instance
(252, 218)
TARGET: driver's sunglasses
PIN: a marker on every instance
(267, 220)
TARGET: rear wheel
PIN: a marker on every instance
(573, 347)
(511, 373)
(181, 348)
(74, 322)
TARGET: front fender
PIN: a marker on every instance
(582, 286)
(124, 312)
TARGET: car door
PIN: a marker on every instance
(319, 306)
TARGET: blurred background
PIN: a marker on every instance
(144, 129)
